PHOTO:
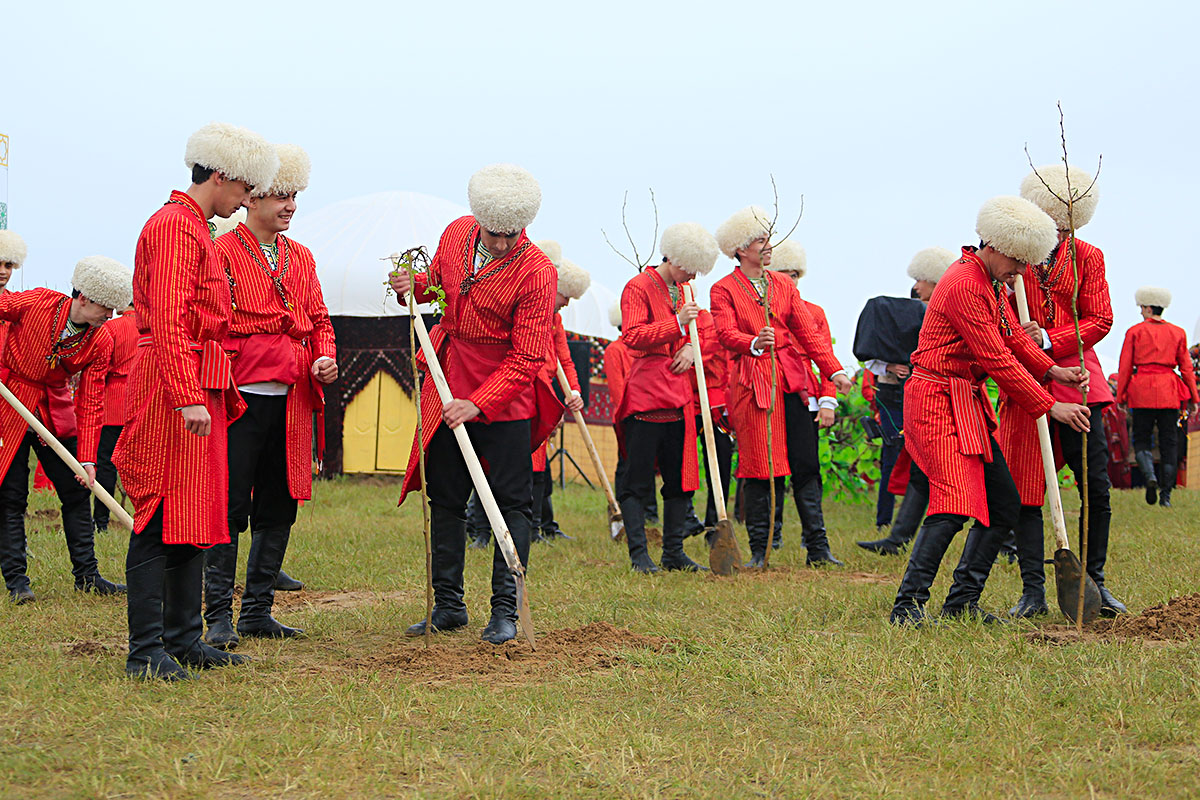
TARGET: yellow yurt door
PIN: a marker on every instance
(378, 427)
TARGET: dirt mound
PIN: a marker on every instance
(349, 599)
(45, 515)
(596, 646)
(1178, 619)
(89, 648)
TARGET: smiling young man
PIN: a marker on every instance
(657, 418)
(968, 335)
(181, 397)
(739, 309)
(52, 337)
(285, 355)
(492, 344)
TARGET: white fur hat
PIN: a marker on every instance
(1017, 228)
(741, 229)
(1152, 296)
(691, 248)
(789, 255)
(931, 264)
(552, 249)
(614, 314)
(573, 280)
(1033, 190)
(504, 198)
(12, 248)
(234, 152)
(105, 281)
(294, 167)
(223, 225)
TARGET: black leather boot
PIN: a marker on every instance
(1145, 462)
(675, 512)
(267, 549)
(924, 559)
(147, 658)
(633, 512)
(1168, 484)
(758, 514)
(220, 566)
(479, 530)
(182, 622)
(1031, 556)
(978, 556)
(448, 546)
(904, 527)
(692, 526)
(503, 623)
(77, 526)
(539, 495)
(286, 583)
(812, 522)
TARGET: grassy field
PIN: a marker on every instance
(787, 684)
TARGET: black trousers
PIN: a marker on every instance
(148, 545)
(106, 473)
(503, 448)
(651, 500)
(258, 484)
(76, 512)
(1145, 420)
(724, 446)
(648, 444)
(889, 399)
(1099, 510)
(803, 460)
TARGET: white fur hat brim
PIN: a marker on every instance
(1083, 206)
(1152, 296)
(105, 281)
(788, 256)
(690, 247)
(931, 264)
(741, 229)
(236, 153)
(573, 280)
(1017, 228)
(12, 248)
(614, 314)
(552, 249)
(223, 225)
(504, 198)
(294, 169)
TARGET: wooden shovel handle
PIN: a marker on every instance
(714, 469)
(587, 440)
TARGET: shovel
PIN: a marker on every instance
(616, 523)
(1068, 570)
(503, 537)
(103, 496)
(724, 558)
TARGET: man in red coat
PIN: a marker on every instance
(1050, 288)
(284, 357)
(181, 398)
(1149, 386)
(51, 337)
(617, 361)
(966, 337)
(492, 344)
(572, 283)
(739, 310)
(656, 420)
(124, 335)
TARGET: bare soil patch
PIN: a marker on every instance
(1178, 619)
(89, 648)
(596, 646)
(346, 599)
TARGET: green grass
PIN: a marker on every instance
(788, 685)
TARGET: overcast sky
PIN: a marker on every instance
(894, 121)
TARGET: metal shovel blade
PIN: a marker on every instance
(1068, 572)
(523, 614)
(616, 526)
(724, 558)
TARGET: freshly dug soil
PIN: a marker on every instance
(596, 646)
(1178, 619)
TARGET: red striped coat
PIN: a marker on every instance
(617, 360)
(37, 363)
(650, 329)
(183, 305)
(739, 315)
(967, 336)
(819, 384)
(493, 339)
(1149, 356)
(124, 334)
(277, 333)
(560, 353)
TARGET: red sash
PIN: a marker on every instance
(1163, 369)
(651, 386)
(972, 414)
(215, 369)
(263, 357)
(469, 365)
